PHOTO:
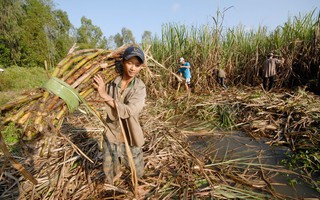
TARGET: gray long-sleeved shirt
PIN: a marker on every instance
(130, 104)
(270, 67)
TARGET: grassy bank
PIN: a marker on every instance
(15, 80)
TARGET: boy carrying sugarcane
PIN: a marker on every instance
(125, 99)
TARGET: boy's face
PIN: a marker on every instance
(131, 67)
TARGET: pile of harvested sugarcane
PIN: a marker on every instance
(72, 167)
(283, 116)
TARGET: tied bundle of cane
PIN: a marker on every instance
(44, 109)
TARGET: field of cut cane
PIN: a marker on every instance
(68, 165)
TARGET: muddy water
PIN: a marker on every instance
(228, 146)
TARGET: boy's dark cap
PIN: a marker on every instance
(133, 51)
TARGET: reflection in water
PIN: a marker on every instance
(225, 147)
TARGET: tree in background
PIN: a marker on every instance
(147, 38)
(118, 40)
(38, 27)
(32, 32)
(126, 37)
(10, 14)
(90, 36)
(111, 42)
(65, 34)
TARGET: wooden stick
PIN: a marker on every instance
(134, 178)
(180, 79)
(15, 163)
(76, 148)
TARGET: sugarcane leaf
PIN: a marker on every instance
(71, 97)
(64, 91)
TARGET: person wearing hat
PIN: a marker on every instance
(125, 99)
(269, 71)
(186, 72)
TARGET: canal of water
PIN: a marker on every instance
(222, 147)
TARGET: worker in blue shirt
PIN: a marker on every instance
(184, 70)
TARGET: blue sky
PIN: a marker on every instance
(142, 15)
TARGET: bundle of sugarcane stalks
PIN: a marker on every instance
(42, 110)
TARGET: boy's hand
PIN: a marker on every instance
(101, 87)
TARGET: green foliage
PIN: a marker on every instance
(4, 52)
(62, 39)
(90, 36)
(43, 29)
(126, 37)
(198, 44)
(239, 51)
(306, 162)
(11, 134)
(225, 117)
(32, 32)
(118, 40)
(207, 113)
(15, 80)
(35, 43)
(255, 95)
(19, 78)
(10, 30)
(146, 38)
